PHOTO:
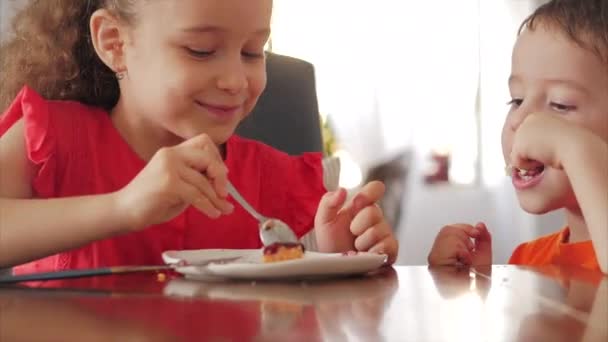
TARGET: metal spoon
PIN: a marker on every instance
(272, 230)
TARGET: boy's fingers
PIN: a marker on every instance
(459, 229)
(484, 233)
(464, 256)
(464, 236)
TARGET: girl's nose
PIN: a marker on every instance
(232, 78)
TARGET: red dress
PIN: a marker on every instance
(77, 151)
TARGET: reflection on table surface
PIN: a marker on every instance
(405, 303)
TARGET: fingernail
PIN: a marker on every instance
(335, 194)
(359, 203)
(230, 208)
(214, 213)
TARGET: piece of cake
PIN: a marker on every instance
(283, 251)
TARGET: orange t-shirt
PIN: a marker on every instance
(554, 249)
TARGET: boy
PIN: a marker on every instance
(555, 140)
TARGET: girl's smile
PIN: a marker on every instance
(221, 112)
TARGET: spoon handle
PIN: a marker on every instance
(237, 197)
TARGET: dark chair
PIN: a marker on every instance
(286, 116)
(394, 174)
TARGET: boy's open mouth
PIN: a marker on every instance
(528, 174)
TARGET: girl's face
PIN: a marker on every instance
(195, 66)
(552, 74)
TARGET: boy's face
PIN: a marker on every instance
(552, 74)
(196, 66)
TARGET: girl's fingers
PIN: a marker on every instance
(190, 194)
(366, 217)
(370, 237)
(205, 158)
(330, 205)
(205, 190)
(387, 246)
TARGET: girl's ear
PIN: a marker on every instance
(108, 36)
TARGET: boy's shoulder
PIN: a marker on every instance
(555, 249)
(538, 251)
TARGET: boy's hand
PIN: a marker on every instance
(453, 246)
(360, 225)
(191, 173)
(539, 139)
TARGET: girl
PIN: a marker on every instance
(127, 152)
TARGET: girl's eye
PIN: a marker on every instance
(253, 54)
(199, 53)
(514, 103)
(562, 107)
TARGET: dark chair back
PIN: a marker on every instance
(286, 116)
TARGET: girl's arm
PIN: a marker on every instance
(586, 164)
(30, 228)
(189, 174)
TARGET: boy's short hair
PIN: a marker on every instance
(583, 21)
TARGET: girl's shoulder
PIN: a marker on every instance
(56, 134)
(48, 117)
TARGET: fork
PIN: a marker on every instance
(272, 230)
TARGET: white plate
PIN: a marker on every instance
(250, 265)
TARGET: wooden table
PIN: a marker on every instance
(407, 303)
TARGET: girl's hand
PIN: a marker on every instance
(191, 173)
(462, 244)
(359, 225)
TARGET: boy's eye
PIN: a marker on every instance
(198, 53)
(562, 107)
(514, 103)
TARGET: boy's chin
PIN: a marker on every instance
(536, 206)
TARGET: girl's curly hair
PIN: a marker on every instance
(51, 51)
(583, 21)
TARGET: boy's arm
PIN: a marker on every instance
(586, 164)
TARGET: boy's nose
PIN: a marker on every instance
(518, 116)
